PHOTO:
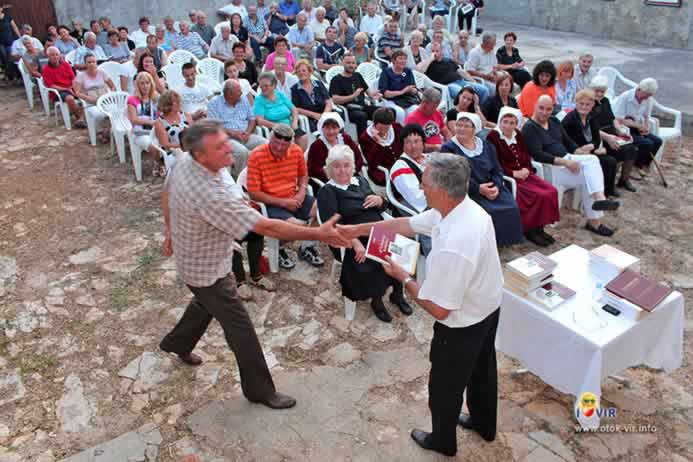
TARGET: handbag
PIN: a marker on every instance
(406, 100)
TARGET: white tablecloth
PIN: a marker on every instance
(573, 360)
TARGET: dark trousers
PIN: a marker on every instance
(462, 18)
(255, 45)
(463, 358)
(609, 166)
(627, 154)
(10, 68)
(255, 244)
(220, 301)
(520, 76)
(646, 144)
(361, 116)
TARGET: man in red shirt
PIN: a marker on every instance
(278, 177)
(431, 120)
(58, 75)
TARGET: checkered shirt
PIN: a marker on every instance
(206, 218)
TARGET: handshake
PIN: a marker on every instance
(336, 235)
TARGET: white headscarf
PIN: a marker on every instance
(507, 110)
(321, 122)
(478, 143)
(473, 118)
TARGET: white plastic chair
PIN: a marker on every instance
(548, 174)
(94, 117)
(668, 133)
(28, 83)
(423, 82)
(114, 71)
(272, 243)
(70, 57)
(212, 68)
(59, 104)
(331, 72)
(173, 73)
(114, 106)
(211, 84)
(136, 151)
(181, 57)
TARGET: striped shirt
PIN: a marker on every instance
(206, 218)
(388, 41)
(233, 117)
(255, 28)
(276, 177)
(192, 43)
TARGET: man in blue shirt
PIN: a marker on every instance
(301, 37)
(289, 9)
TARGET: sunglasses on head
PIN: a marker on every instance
(283, 137)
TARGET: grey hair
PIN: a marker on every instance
(335, 154)
(431, 95)
(283, 130)
(450, 173)
(225, 27)
(27, 39)
(89, 35)
(268, 76)
(201, 14)
(586, 55)
(488, 36)
(320, 10)
(648, 85)
(229, 86)
(415, 34)
(195, 133)
(26, 27)
(302, 14)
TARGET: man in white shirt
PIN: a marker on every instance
(222, 45)
(584, 72)
(463, 291)
(18, 49)
(308, 10)
(193, 95)
(301, 38)
(140, 35)
(371, 22)
(234, 7)
(482, 61)
(320, 24)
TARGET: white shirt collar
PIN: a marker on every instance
(478, 146)
(354, 181)
(390, 135)
(510, 141)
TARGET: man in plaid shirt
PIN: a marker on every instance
(203, 220)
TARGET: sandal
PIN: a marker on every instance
(602, 230)
(80, 124)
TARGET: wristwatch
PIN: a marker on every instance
(406, 281)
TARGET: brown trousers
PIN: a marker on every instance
(221, 301)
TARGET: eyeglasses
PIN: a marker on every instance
(283, 138)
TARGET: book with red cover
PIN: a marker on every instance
(638, 290)
(384, 243)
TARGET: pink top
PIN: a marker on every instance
(91, 83)
(290, 61)
(431, 125)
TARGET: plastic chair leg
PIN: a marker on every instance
(66, 116)
(333, 271)
(349, 309)
(576, 199)
(137, 163)
(273, 245)
(91, 127)
(560, 190)
(120, 145)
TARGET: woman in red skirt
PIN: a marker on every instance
(537, 199)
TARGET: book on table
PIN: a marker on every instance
(638, 290)
(532, 268)
(512, 281)
(551, 295)
(383, 243)
(608, 262)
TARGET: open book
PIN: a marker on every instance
(384, 243)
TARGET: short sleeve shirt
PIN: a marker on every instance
(389, 80)
(277, 111)
(626, 105)
(276, 177)
(431, 125)
(194, 98)
(91, 83)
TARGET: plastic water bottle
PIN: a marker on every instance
(597, 293)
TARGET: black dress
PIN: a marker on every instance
(520, 76)
(492, 106)
(250, 73)
(360, 281)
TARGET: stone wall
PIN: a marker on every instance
(629, 20)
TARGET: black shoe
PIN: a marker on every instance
(380, 310)
(465, 421)
(190, 358)
(398, 300)
(605, 205)
(311, 255)
(424, 440)
(534, 236)
(613, 193)
(278, 401)
(602, 230)
(547, 236)
(627, 185)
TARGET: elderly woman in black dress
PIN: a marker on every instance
(352, 198)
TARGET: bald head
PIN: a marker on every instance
(543, 109)
(232, 91)
(53, 56)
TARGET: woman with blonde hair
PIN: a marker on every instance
(566, 87)
(143, 113)
(170, 125)
(360, 50)
(309, 95)
(416, 53)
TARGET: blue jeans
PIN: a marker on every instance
(255, 45)
(455, 87)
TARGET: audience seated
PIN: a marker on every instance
(461, 48)
(372, 21)
(236, 6)
(241, 33)
(393, 8)
(309, 95)
(584, 72)
(233, 109)
(352, 198)
(398, 87)
(146, 64)
(536, 199)
(440, 8)
(320, 24)
(77, 31)
(350, 89)
(361, 51)
(464, 18)
(162, 40)
(439, 24)
(429, 117)
(115, 50)
(203, 29)
(633, 109)
(168, 128)
(381, 144)
(281, 48)
(99, 34)
(123, 36)
(482, 61)
(89, 47)
(510, 61)
(543, 83)
(191, 41)
(446, 72)
(91, 83)
(159, 55)
(18, 49)
(486, 185)
(301, 38)
(33, 58)
(273, 107)
(246, 68)
(222, 45)
(285, 80)
(308, 10)
(58, 74)
(389, 41)
(407, 171)
(329, 53)
(417, 56)
(566, 88)
(276, 25)
(330, 128)
(143, 113)
(467, 101)
(548, 143)
(343, 17)
(193, 95)
(140, 35)
(289, 9)
(278, 177)
(492, 106)
(66, 43)
(171, 33)
(258, 32)
(346, 32)
(616, 137)
(331, 12)
(439, 38)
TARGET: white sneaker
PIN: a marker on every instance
(244, 292)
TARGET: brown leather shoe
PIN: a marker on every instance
(191, 359)
(279, 401)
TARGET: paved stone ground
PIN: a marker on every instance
(85, 298)
(635, 61)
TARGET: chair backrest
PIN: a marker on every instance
(331, 72)
(212, 68)
(242, 178)
(24, 71)
(114, 104)
(174, 75)
(113, 70)
(213, 85)
(181, 57)
(369, 71)
(420, 79)
(70, 57)
(391, 194)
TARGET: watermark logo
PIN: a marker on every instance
(588, 410)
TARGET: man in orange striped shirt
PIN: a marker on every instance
(278, 177)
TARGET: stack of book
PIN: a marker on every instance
(634, 294)
(531, 277)
(607, 262)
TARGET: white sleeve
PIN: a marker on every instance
(447, 280)
(620, 107)
(407, 185)
(472, 61)
(424, 222)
